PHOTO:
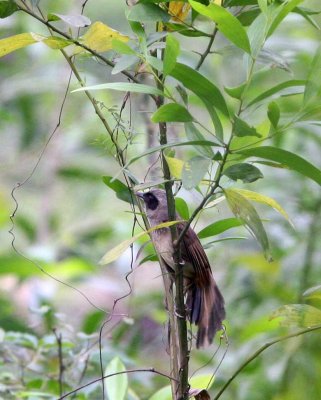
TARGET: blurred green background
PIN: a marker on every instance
(67, 219)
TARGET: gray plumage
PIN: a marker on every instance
(204, 301)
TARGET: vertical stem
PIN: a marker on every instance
(178, 326)
(312, 241)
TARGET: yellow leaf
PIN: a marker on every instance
(175, 166)
(218, 2)
(178, 10)
(99, 37)
(15, 42)
(260, 198)
(117, 251)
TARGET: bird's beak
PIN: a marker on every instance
(140, 195)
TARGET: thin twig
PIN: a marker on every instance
(130, 371)
(76, 42)
(259, 351)
(60, 361)
(207, 51)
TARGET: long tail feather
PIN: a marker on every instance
(206, 306)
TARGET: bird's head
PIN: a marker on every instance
(156, 205)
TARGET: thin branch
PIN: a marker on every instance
(207, 51)
(312, 246)
(130, 371)
(76, 42)
(259, 351)
(60, 359)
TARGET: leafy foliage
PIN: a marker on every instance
(164, 66)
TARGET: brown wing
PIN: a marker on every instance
(194, 254)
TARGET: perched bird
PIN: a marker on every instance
(204, 301)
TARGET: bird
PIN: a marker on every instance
(203, 300)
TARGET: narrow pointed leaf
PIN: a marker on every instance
(273, 114)
(172, 112)
(121, 190)
(147, 13)
(313, 86)
(182, 208)
(201, 86)
(219, 227)
(117, 251)
(121, 47)
(278, 88)
(260, 198)
(245, 172)
(283, 10)
(12, 43)
(168, 145)
(286, 158)
(170, 54)
(244, 211)
(124, 87)
(227, 24)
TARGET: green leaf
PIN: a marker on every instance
(116, 385)
(219, 227)
(121, 190)
(244, 211)
(124, 87)
(147, 13)
(245, 172)
(241, 128)
(193, 133)
(235, 92)
(282, 11)
(257, 32)
(124, 62)
(121, 47)
(301, 315)
(182, 208)
(276, 89)
(168, 145)
(227, 24)
(7, 8)
(196, 382)
(201, 86)
(263, 5)
(170, 54)
(117, 251)
(313, 293)
(194, 171)
(273, 114)
(260, 198)
(172, 112)
(286, 158)
(313, 86)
